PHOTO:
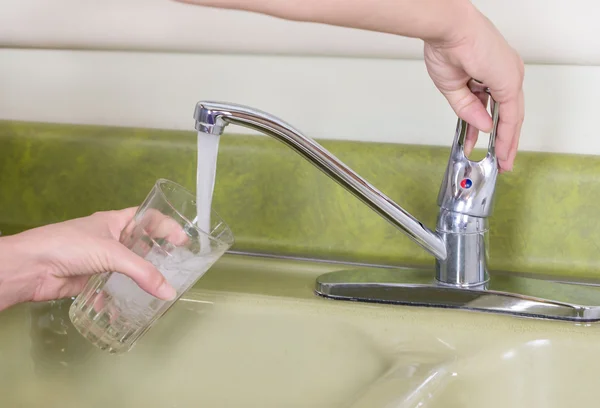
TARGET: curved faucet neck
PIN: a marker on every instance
(213, 117)
(458, 244)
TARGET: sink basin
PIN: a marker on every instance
(207, 351)
(536, 373)
(252, 334)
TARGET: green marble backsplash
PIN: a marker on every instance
(545, 219)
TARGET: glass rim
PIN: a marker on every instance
(163, 181)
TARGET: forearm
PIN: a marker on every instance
(430, 20)
(18, 277)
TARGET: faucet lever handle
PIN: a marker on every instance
(468, 187)
(463, 128)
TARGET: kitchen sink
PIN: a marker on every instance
(252, 333)
(542, 372)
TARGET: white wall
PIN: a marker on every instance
(543, 31)
(385, 97)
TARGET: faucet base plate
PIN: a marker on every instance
(505, 293)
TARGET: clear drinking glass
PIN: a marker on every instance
(113, 312)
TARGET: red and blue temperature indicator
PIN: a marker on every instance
(466, 183)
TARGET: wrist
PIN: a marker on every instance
(19, 275)
(457, 22)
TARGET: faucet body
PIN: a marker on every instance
(465, 198)
(459, 242)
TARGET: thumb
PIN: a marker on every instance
(143, 273)
(470, 108)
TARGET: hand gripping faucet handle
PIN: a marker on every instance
(466, 198)
(468, 187)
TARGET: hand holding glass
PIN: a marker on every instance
(112, 311)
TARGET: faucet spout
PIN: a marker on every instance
(459, 242)
(213, 117)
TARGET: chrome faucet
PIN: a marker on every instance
(459, 243)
